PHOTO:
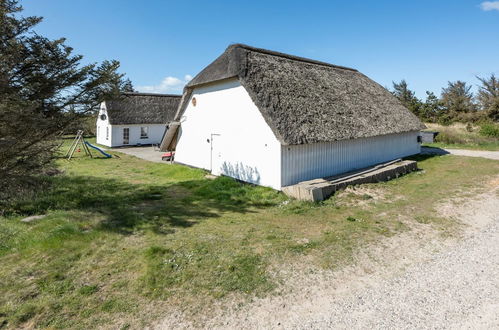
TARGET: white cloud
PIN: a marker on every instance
(490, 5)
(167, 85)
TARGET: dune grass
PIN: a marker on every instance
(125, 239)
(458, 136)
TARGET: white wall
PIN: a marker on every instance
(115, 138)
(306, 162)
(246, 148)
(101, 128)
(154, 137)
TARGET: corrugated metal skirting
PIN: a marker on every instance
(310, 161)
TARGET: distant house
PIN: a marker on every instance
(274, 119)
(135, 119)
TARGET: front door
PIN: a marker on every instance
(126, 135)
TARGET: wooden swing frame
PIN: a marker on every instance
(79, 139)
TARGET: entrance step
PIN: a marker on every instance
(320, 189)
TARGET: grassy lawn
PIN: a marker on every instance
(457, 136)
(125, 239)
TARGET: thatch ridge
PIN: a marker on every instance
(149, 94)
(142, 108)
(288, 56)
(307, 101)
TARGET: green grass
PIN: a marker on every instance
(124, 239)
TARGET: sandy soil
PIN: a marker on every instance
(417, 279)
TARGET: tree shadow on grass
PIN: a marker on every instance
(127, 207)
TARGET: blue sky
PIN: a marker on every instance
(161, 44)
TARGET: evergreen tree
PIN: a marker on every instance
(457, 98)
(41, 82)
(128, 86)
(431, 109)
(488, 96)
(407, 97)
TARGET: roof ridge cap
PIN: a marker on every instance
(288, 56)
(150, 94)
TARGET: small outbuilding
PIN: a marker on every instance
(274, 119)
(428, 136)
(135, 119)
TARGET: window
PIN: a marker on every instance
(107, 133)
(126, 135)
(144, 132)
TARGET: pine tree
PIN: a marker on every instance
(41, 82)
(128, 86)
(407, 97)
(488, 96)
(457, 98)
(431, 109)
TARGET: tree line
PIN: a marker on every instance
(457, 102)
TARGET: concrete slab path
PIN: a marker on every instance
(147, 153)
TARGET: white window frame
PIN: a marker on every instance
(107, 132)
(146, 130)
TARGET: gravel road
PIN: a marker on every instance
(455, 289)
(461, 152)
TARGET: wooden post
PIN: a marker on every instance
(78, 139)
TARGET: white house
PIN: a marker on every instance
(135, 119)
(274, 119)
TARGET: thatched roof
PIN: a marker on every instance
(306, 101)
(142, 108)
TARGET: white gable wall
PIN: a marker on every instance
(101, 127)
(245, 147)
(311, 161)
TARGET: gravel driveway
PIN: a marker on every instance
(152, 155)
(456, 289)
(409, 283)
(461, 152)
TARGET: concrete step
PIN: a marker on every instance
(320, 189)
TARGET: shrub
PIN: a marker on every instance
(471, 117)
(445, 120)
(490, 130)
(449, 136)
